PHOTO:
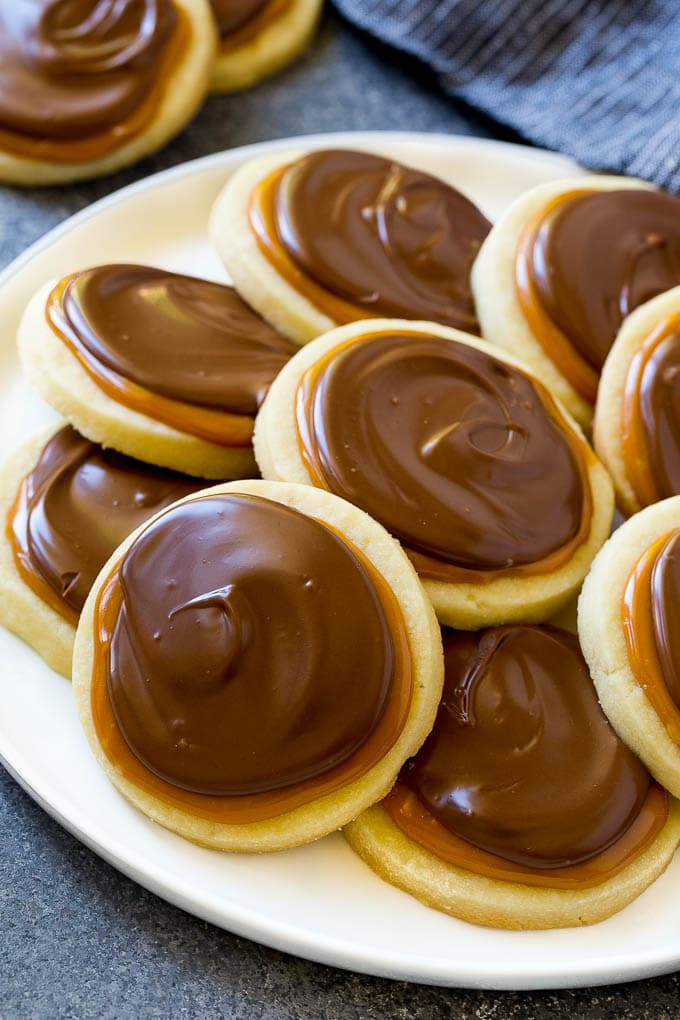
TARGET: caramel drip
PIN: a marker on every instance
(78, 79)
(240, 23)
(74, 508)
(522, 778)
(585, 262)
(650, 433)
(259, 714)
(183, 351)
(361, 236)
(649, 614)
(461, 456)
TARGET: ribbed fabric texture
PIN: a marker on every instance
(598, 79)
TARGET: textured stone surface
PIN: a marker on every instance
(77, 939)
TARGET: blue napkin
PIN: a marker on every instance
(598, 79)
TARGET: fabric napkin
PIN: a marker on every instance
(598, 79)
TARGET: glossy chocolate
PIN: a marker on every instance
(658, 415)
(522, 762)
(457, 453)
(73, 69)
(78, 504)
(176, 336)
(265, 657)
(598, 255)
(234, 14)
(665, 585)
(391, 240)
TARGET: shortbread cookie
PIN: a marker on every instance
(637, 414)
(65, 504)
(628, 626)
(564, 266)
(313, 241)
(89, 86)
(165, 368)
(498, 500)
(254, 666)
(522, 809)
(259, 37)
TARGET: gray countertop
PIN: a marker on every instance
(78, 939)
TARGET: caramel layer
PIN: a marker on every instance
(80, 79)
(270, 668)
(361, 236)
(587, 260)
(461, 456)
(650, 433)
(241, 22)
(522, 777)
(186, 352)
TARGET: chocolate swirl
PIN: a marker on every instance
(598, 255)
(458, 454)
(77, 505)
(233, 14)
(71, 69)
(183, 338)
(658, 414)
(265, 656)
(391, 240)
(665, 591)
(522, 762)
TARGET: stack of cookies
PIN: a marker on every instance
(356, 626)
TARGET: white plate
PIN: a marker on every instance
(319, 901)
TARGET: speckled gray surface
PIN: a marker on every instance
(77, 940)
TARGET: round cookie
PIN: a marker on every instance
(468, 599)
(635, 428)
(165, 368)
(501, 313)
(172, 64)
(66, 504)
(522, 809)
(272, 34)
(256, 537)
(402, 248)
(617, 602)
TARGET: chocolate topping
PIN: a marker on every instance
(71, 69)
(665, 585)
(457, 453)
(598, 255)
(233, 14)
(78, 504)
(522, 762)
(177, 336)
(389, 239)
(251, 651)
(659, 415)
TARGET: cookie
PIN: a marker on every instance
(65, 505)
(88, 87)
(627, 621)
(166, 368)
(258, 38)
(637, 425)
(313, 241)
(254, 666)
(564, 266)
(522, 809)
(489, 485)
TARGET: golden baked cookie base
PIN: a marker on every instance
(62, 381)
(610, 395)
(185, 90)
(466, 606)
(488, 901)
(603, 641)
(493, 285)
(21, 610)
(332, 811)
(279, 42)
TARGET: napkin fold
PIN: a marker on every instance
(597, 79)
